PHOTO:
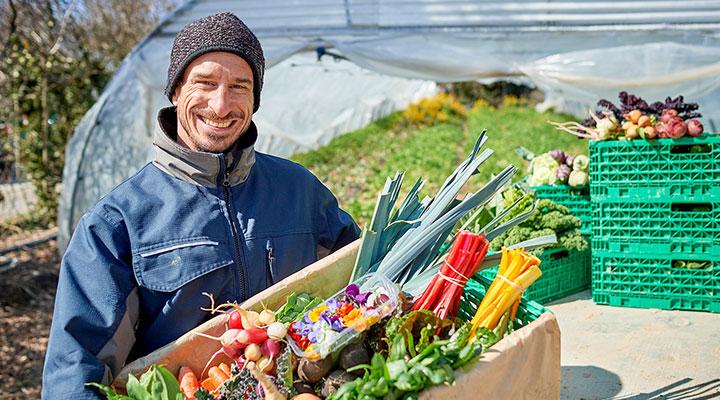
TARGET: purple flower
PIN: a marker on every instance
(333, 321)
(315, 333)
(333, 305)
(353, 293)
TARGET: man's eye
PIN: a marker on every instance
(240, 87)
(206, 83)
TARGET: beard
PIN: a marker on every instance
(207, 142)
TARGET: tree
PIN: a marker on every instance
(57, 55)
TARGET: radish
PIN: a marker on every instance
(266, 364)
(253, 352)
(270, 349)
(235, 320)
(251, 335)
(265, 318)
(277, 330)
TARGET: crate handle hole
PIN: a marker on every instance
(693, 264)
(691, 207)
(560, 254)
(690, 148)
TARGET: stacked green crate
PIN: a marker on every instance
(656, 210)
(577, 200)
(564, 272)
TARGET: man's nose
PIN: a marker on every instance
(220, 101)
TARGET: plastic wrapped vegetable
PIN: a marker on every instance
(578, 178)
(581, 163)
(563, 173)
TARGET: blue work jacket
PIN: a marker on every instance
(134, 272)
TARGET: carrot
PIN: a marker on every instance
(210, 384)
(188, 382)
(225, 368)
(218, 374)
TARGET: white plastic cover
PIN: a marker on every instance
(652, 71)
(305, 104)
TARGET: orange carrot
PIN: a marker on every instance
(210, 384)
(188, 382)
(225, 368)
(218, 374)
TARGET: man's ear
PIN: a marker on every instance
(175, 95)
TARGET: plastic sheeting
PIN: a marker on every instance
(398, 48)
(654, 71)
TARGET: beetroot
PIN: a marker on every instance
(668, 114)
(676, 128)
(694, 127)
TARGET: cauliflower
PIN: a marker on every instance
(544, 161)
(542, 176)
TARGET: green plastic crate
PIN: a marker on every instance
(680, 247)
(659, 169)
(576, 200)
(564, 272)
(474, 292)
(664, 224)
(653, 282)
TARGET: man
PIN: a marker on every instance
(209, 214)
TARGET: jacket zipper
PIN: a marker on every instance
(270, 264)
(236, 236)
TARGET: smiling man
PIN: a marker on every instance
(209, 214)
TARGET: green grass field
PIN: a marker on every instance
(355, 166)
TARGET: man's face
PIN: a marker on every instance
(214, 102)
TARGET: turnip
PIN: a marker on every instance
(633, 116)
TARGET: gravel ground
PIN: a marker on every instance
(27, 293)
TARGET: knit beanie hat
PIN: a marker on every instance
(219, 32)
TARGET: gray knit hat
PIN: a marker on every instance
(219, 32)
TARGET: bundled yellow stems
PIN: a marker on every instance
(517, 271)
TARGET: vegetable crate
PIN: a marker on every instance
(564, 272)
(683, 282)
(475, 291)
(576, 200)
(664, 227)
(688, 167)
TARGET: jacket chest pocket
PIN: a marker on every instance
(169, 265)
(286, 254)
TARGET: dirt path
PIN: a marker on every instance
(27, 292)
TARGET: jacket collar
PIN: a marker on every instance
(199, 167)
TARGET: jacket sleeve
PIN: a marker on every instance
(337, 228)
(96, 309)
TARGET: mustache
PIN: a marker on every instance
(208, 113)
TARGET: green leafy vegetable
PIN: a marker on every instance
(297, 304)
(157, 383)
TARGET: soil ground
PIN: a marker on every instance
(27, 293)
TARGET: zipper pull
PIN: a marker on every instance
(226, 180)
